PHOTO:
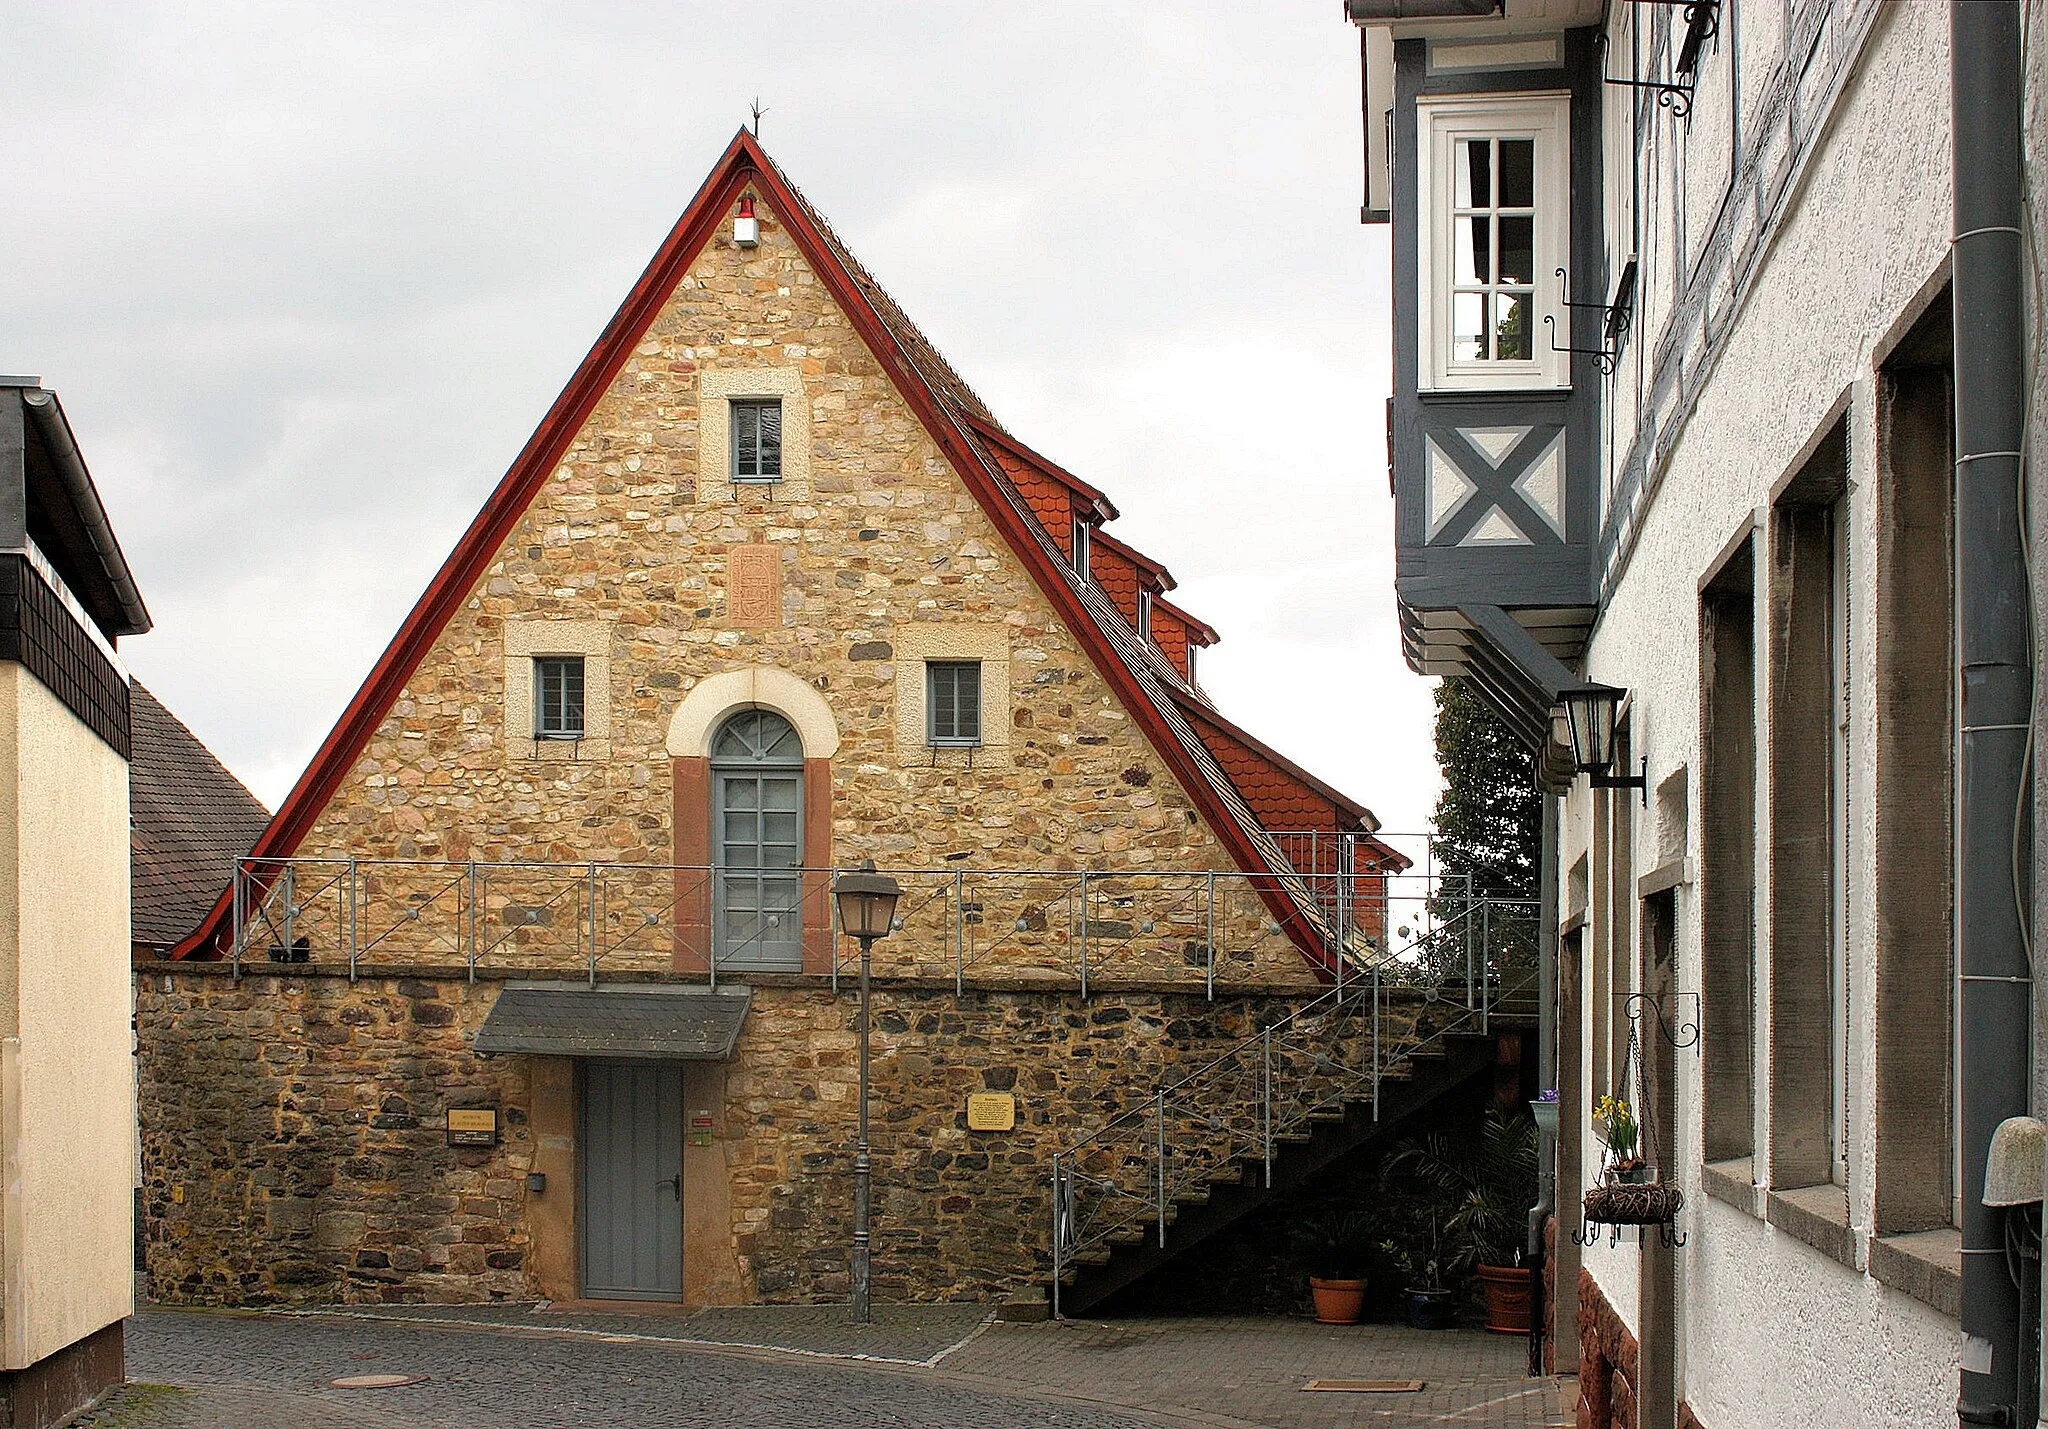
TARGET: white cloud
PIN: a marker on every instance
(307, 276)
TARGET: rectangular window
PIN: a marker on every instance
(558, 697)
(1080, 548)
(1192, 648)
(1806, 608)
(1494, 223)
(757, 439)
(1728, 872)
(953, 702)
(1144, 614)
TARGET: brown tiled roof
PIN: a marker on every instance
(188, 820)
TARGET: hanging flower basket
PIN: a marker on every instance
(1654, 1204)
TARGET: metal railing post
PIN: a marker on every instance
(959, 935)
(474, 933)
(1161, 1165)
(1266, 1098)
(1465, 933)
(590, 896)
(355, 900)
(291, 907)
(1084, 934)
(1375, 1041)
(1485, 962)
(241, 916)
(1209, 977)
(1059, 1235)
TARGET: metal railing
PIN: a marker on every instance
(1118, 1183)
(1082, 927)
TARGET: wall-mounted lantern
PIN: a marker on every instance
(1591, 712)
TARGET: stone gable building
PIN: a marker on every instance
(531, 986)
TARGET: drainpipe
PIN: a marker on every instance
(1991, 588)
(1546, 1070)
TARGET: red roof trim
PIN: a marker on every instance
(1200, 631)
(1105, 508)
(743, 161)
(1252, 744)
(1137, 558)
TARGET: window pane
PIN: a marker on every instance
(967, 700)
(1468, 326)
(745, 438)
(769, 418)
(1468, 249)
(558, 697)
(1517, 173)
(1472, 165)
(1511, 327)
(1517, 250)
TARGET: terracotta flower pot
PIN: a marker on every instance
(1507, 1298)
(1338, 1302)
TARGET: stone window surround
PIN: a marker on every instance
(592, 639)
(916, 644)
(717, 389)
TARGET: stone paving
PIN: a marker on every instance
(243, 1370)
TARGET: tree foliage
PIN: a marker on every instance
(1487, 817)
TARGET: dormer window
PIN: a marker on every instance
(1492, 223)
(1080, 548)
(1144, 614)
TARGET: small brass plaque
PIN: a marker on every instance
(991, 1111)
(473, 1126)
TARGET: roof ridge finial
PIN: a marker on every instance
(758, 112)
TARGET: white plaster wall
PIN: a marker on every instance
(67, 1102)
(1771, 1331)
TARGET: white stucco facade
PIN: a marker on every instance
(67, 1104)
(1741, 360)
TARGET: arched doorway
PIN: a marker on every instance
(757, 842)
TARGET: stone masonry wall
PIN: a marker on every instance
(293, 1144)
(631, 537)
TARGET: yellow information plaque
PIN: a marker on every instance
(473, 1126)
(991, 1111)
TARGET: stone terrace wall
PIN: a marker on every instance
(293, 1142)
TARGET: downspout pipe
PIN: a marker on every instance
(1546, 1072)
(1995, 997)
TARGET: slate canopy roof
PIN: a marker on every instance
(985, 458)
(189, 820)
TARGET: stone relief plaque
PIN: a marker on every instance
(753, 586)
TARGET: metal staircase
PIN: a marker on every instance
(1353, 1067)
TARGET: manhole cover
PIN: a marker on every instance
(375, 1381)
(1364, 1386)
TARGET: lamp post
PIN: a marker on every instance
(867, 907)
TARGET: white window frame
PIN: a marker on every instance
(1440, 122)
(1078, 543)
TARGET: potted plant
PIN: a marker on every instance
(1338, 1247)
(1429, 1299)
(1486, 1184)
(1615, 1121)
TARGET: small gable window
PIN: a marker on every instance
(1144, 614)
(757, 439)
(558, 697)
(953, 702)
(1080, 548)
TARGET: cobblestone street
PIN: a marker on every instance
(241, 1371)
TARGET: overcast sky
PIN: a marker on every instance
(307, 276)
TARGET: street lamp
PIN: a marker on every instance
(1591, 712)
(867, 908)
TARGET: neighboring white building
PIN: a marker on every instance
(1683, 407)
(67, 1088)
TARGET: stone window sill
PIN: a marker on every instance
(1818, 1215)
(1731, 1181)
(1926, 1265)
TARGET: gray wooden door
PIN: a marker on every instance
(632, 1182)
(757, 821)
